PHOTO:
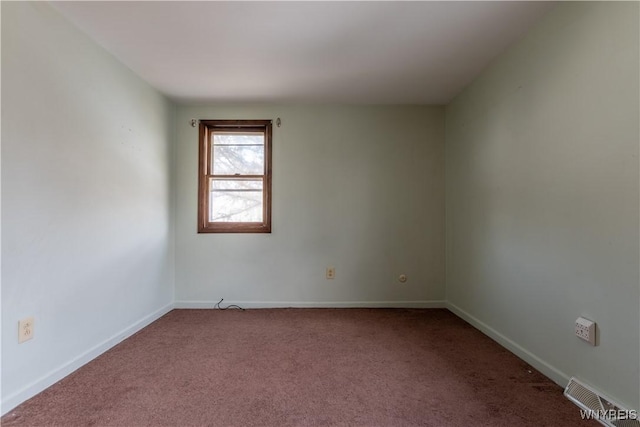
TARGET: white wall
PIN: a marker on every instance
(542, 196)
(356, 188)
(87, 243)
(542, 201)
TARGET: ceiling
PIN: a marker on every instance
(306, 52)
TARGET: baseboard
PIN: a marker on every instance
(56, 375)
(545, 368)
(314, 304)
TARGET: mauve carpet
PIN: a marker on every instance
(303, 367)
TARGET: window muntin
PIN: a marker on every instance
(235, 176)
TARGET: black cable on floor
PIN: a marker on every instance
(227, 307)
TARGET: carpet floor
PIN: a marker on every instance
(303, 367)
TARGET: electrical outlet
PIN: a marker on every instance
(331, 273)
(586, 330)
(25, 329)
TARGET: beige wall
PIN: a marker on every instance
(542, 201)
(542, 196)
(87, 243)
(357, 188)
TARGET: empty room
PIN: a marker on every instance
(320, 213)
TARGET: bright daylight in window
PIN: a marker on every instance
(235, 176)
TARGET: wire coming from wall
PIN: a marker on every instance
(232, 306)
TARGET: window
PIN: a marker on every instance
(234, 176)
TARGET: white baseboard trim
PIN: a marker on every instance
(10, 402)
(313, 304)
(545, 368)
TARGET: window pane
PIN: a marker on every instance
(238, 153)
(235, 200)
(234, 138)
(238, 159)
